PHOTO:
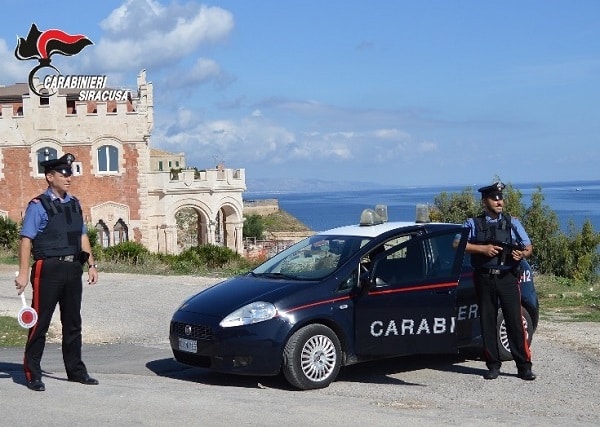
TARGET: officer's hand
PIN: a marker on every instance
(492, 250)
(21, 282)
(517, 255)
(92, 276)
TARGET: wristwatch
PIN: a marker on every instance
(92, 266)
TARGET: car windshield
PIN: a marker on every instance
(311, 259)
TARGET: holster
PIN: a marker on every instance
(83, 257)
(517, 270)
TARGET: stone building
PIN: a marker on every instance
(164, 161)
(127, 190)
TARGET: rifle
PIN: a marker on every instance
(506, 248)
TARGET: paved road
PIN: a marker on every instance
(140, 383)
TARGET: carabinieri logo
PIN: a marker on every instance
(41, 45)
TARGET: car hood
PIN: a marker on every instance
(225, 297)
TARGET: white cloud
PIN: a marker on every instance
(13, 71)
(428, 146)
(143, 34)
(257, 139)
(392, 134)
(203, 71)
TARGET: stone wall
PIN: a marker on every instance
(261, 207)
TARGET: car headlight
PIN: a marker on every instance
(255, 312)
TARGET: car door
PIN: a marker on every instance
(410, 304)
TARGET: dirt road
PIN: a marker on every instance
(126, 321)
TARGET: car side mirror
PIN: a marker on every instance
(364, 281)
(380, 282)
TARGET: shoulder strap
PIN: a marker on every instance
(76, 205)
(480, 223)
(514, 228)
(47, 204)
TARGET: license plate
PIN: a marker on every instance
(190, 346)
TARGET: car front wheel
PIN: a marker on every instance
(312, 357)
(503, 345)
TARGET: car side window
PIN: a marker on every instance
(411, 259)
(351, 282)
(402, 263)
(441, 256)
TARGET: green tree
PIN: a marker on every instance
(585, 259)
(254, 226)
(455, 208)
(543, 228)
(512, 202)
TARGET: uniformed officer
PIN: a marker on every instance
(54, 232)
(497, 243)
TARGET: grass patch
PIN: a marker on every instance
(567, 299)
(11, 334)
(283, 221)
(8, 257)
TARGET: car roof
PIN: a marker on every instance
(379, 229)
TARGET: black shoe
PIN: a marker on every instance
(86, 379)
(36, 385)
(526, 375)
(492, 374)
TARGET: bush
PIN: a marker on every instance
(128, 252)
(9, 233)
(93, 237)
(212, 256)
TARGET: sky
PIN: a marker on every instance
(392, 92)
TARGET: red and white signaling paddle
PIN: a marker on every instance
(27, 316)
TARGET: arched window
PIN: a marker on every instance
(103, 234)
(120, 233)
(43, 154)
(108, 159)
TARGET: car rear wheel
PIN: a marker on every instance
(503, 345)
(312, 357)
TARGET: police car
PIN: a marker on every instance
(351, 294)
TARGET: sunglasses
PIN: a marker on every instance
(495, 197)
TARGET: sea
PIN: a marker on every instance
(573, 202)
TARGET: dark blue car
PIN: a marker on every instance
(343, 296)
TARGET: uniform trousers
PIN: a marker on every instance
(55, 282)
(502, 290)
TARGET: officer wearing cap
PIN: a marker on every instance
(497, 243)
(54, 233)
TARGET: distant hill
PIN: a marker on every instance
(274, 186)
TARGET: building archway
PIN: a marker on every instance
(218, 225)
(192, 227)
(228, 227)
